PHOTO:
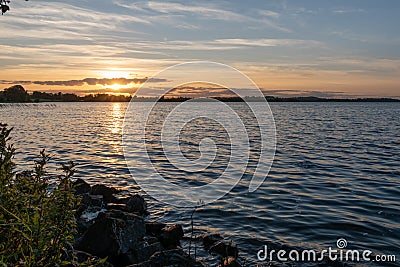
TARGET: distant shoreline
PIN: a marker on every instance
(222, 99)
(18, 94)
(269, 99)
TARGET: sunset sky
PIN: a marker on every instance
(321, 48)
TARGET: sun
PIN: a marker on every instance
(116, 86)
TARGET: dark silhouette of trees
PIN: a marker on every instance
(15, 93)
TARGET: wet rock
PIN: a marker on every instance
(225, 248)
(81, 187)
(105, 191)
(113, 233)
(92, 200)
(137, 204)
(89, 202)
(170, 236)
(141, 254)
(114, 206)
(175, 257)
(86, 219)
(211, 239)
(121, 200)
(150, 240)
(154, 228)
(229, 262)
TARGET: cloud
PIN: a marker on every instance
(226, 44)
(205, 90)
(269, 13)
(154, 11)
(207, 11)
(61, 21)
(89, 81)
(347, 10)
(268, 42)
(304, 93)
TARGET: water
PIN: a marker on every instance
(336, 172)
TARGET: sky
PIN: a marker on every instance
(288, 48)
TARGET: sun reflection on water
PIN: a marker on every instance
(117, 114)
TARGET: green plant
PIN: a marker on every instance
(37, 222)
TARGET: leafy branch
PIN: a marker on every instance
(5, 5)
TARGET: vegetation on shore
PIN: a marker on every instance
(37, 218)
(18, 94)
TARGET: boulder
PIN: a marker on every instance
(175, 257)
(115, 206)
(87, 218)
(211, 239)
(92, 200)
(229, 262)
(121, 200)
(88, 202)
(105, 191)
(225, 248)
(113, 233)
(141, 254)
(81, 187)
(137, 204)
(154, 228)
(170, 236)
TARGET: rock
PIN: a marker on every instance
(88, 202)
(113, 233)
(175, 257)
(210, 239)
(86, 219)
(229, 262)
(81, 187)
(154, 228)
(150, 240)
(105, 191)
(92, 200)
(225, 249)
(137, 204)
(141, 254)
(170, 236)
(121, 200)
(114, 206)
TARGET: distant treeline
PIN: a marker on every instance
(17, 94)
(269, 99)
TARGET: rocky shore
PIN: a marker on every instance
(115, 228)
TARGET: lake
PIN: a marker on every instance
(336, 172)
